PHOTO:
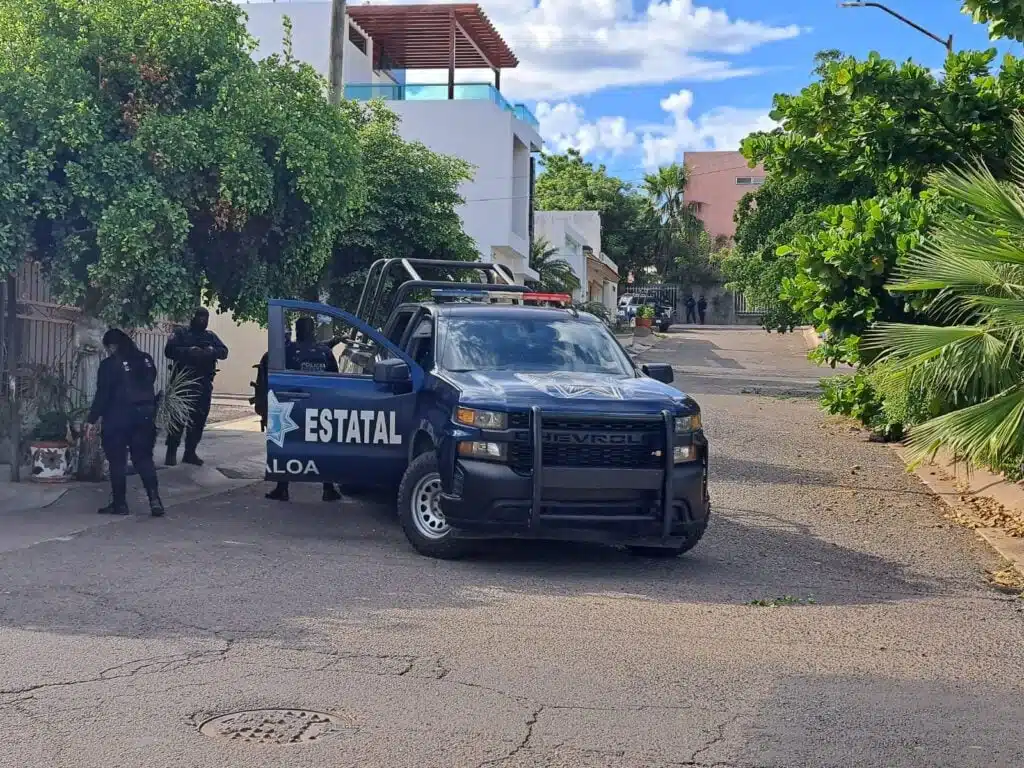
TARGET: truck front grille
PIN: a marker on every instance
(646, 454)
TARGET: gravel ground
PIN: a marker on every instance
(831, 617)
(220, 412)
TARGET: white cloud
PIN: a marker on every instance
(575, 47)
(719, 128)
(564, 124)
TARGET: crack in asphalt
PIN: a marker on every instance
(150, 665)
(718, 738)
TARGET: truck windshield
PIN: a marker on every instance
(529, 345)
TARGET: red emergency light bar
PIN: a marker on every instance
(551, 298)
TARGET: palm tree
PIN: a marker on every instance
(556, 275)
(973, 359)
(680, 226)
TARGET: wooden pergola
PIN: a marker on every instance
(458, 36)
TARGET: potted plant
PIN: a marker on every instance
(644, 316)
(53, 453)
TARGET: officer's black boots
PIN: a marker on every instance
(191, 458)
(172, 456)
(156, 506)
(117, 505)
(280, 493)
(331, 493)
(114, 508)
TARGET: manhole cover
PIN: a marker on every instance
(272, 726)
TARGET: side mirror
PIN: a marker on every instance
(659, 372)
(391, 372)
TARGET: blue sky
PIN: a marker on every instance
(692, 74)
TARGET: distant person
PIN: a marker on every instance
(194, 351)
(306, 354)
(126, 407)
(702, 308)
(691, 306)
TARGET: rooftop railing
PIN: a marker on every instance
(439, 92)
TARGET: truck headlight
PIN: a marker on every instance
(478, 450)
(686, 424)
(481, 419)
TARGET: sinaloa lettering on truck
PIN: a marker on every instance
(292, 467)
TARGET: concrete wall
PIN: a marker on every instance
(311, 38)
(484, 130)
(246, 343)
(713, 184)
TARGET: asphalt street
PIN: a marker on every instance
(830, 617)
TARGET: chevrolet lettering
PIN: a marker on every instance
(493, 412)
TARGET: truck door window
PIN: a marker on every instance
(401, 322)
(354, 358)
(421, 344)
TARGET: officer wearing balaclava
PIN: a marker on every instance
(194, 352)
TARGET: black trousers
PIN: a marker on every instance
(133, 433)
(701, 317)
(690, 316)
(203, 392)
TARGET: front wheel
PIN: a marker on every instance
(687, 544)
(419, 511)
(664, 327)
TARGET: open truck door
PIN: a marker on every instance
(350, 428)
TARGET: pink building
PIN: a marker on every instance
(717, 182)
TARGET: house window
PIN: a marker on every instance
(750, 181)
(356, 38)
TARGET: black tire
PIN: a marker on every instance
(689, 543)
(664, 327)
(419, 473)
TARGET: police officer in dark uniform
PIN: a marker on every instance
(306, 354)
(194, 350)
(126, 405)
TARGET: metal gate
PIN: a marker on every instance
(47, 343)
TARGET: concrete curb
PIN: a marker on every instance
(941, 476)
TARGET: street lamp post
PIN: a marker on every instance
(948, 42)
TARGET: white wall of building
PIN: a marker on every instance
(311, 39)
(492, 139)
(559, 230)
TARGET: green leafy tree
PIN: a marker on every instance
(1005, 18)
(972, 267)
(556, 275)
(680, 252)
(864, 130)
(409, 208)
(841, 270)
(628, 226)
(147, 159)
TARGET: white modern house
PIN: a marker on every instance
(577, 237)
(472, 120)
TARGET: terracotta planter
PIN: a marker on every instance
(52, 461)
(643, 322)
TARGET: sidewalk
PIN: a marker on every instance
(32, 513)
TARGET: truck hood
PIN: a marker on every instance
(568, 392)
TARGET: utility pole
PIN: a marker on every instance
(947, 43)
(336, 71)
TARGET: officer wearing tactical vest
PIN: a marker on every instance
(127, 406)
(195, 352)
(306, 354)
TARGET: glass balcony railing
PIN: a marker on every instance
(439, 92)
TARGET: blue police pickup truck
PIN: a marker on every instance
(493, 416)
